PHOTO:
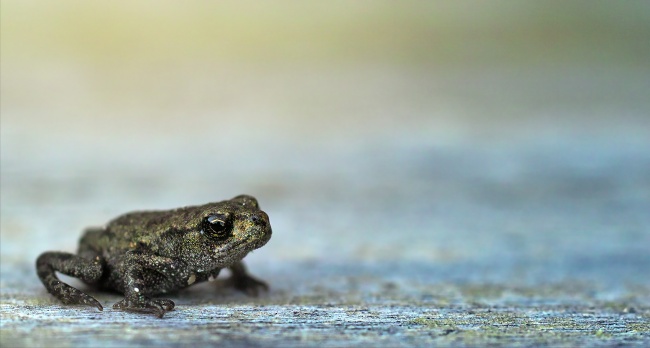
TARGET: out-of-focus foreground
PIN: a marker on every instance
(435, 172)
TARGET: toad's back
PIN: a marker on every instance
(127, 231)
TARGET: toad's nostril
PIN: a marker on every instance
(260, 218)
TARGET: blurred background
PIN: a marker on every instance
(510, 136)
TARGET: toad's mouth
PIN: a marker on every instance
(239, 248)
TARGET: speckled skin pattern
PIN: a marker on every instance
(143, 254)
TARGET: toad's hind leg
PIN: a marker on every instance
(87, 270)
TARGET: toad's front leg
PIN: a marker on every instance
(142, 274)
(244, 282)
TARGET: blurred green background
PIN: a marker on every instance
(77, 72)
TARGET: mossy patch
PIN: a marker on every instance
(643, 327)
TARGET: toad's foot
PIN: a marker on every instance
(244, 282)
(70, 295)
(144, 304)
(248, 285)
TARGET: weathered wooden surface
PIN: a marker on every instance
(405, 261)
(469, 193)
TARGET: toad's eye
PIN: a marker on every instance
(218, 225)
